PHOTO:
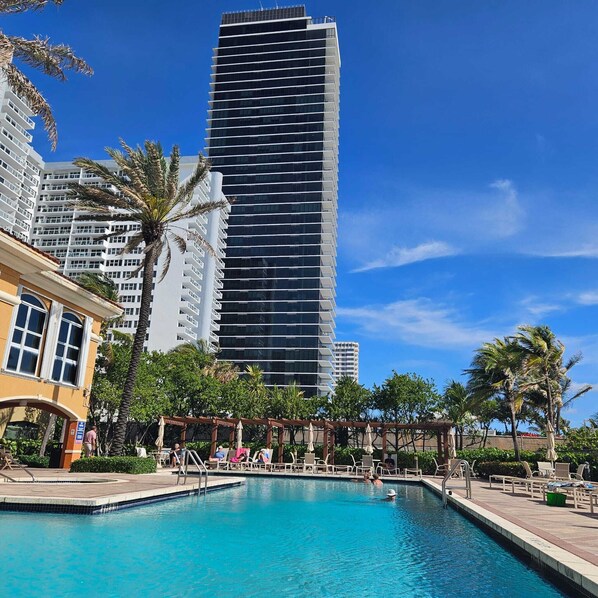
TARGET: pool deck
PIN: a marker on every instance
(118, 491)
(559, 540)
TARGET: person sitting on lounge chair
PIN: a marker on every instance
(218, 456)
(241, 456)
(175, 455)
(264, 456)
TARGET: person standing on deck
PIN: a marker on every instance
(90, 442)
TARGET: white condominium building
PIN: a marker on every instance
(346, 361)
(20, 165)
(185, 303)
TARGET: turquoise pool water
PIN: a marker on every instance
(295, 538)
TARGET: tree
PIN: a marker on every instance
(52, 60)
(350, 401)
(406, 398)
(497, 372)
(459, 405)
(547, 370)
(145, 191)
(105, 287)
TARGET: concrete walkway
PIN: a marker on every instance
(59, 490)
(574, 530)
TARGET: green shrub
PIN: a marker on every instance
(34, 460)
(114, 465)
(488, 468)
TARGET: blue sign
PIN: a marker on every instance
(80, 432)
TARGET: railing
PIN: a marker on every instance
(18, 466)
(457, 464)
(191, 455)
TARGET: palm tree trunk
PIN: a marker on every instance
(514, 432)
(136, 351)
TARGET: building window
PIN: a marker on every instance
(68, 349)
(27, 335)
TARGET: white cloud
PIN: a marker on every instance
(585, 251)
(401, 256)
(506, 217)
(538, 308)
(417, 322)
(588, 298)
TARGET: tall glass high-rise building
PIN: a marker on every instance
(273, 134)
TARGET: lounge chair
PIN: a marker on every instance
(341, 468)
(309, 463)
(234, 463)
(322, 465)
(7, 461)
(545, 469)
(366, 464)
(382, 469)
(440, 468)
(266, 464)
(578, 475)
(221, 463)
(562, 471)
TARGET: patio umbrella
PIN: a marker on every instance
(369, 449)
(452, 450)
(310, 439)
(550, 444)
(160, 439)
(239, 435)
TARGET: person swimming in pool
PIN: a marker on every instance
(390, 496)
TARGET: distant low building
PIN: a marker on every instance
(49, 335)
(346, 360)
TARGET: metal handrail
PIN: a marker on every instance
(458, 463)
(201, 467)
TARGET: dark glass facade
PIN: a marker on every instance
(273, 134)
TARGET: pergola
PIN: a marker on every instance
(441, 427)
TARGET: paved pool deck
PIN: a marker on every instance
(559, 540)
(55, 490)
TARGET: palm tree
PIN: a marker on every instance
(39, 54)
(497, 371)
(547, 370)
(459, 405)
(146, 191)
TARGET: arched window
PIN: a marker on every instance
(28, 332)
(68, 349)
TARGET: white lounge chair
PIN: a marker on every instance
(366, 464)
(382, 469)
(578, 475)
(562, 471)
(309, 463)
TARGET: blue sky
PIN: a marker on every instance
(468, 165)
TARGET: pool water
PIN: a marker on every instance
(270, 537)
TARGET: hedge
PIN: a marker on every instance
(34, 460)
(488, 468)
(114, 465)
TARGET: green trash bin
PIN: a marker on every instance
(556, 499)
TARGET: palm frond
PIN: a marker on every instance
(132, 243)
(172, 180)
(16, 6)
(39, 54)
(186, 190)
(198, 209)
(122, 184)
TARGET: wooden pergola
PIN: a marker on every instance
(441, 427)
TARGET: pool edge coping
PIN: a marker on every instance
(570, 568)
(105, 504)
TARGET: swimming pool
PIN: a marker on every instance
(280, 537)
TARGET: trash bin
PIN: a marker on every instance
(55, 454)
(556, 499)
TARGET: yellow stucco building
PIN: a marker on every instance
(49, 335)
